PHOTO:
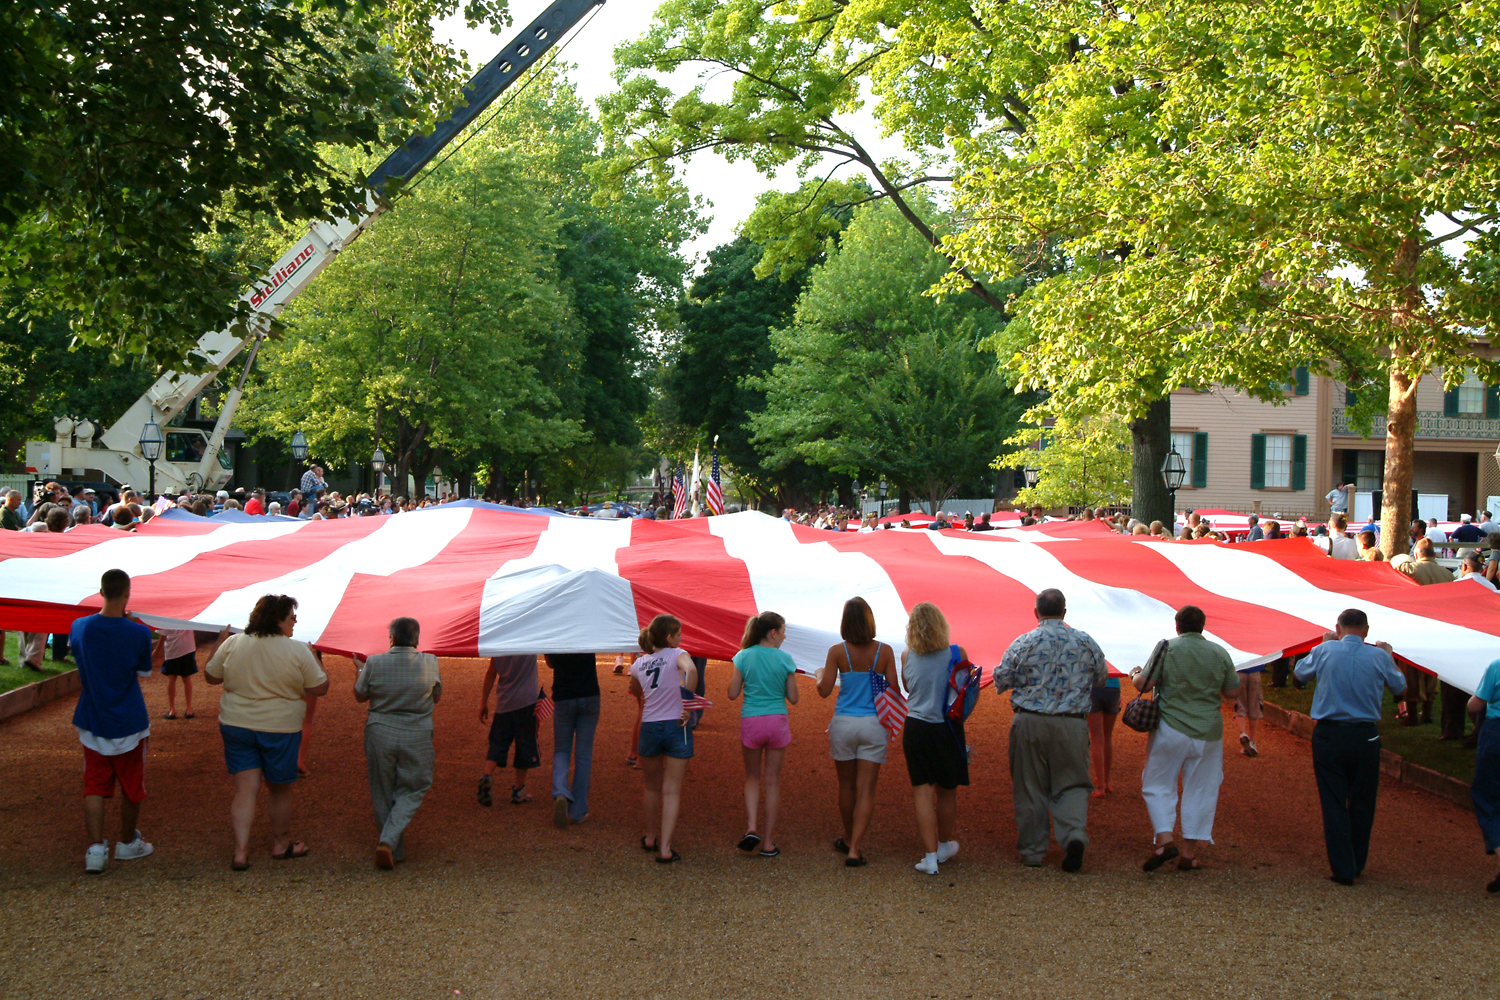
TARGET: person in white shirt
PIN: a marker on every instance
(1438, 536)
(1472, 569)
(1341, 546)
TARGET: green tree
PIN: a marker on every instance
(876, 377)
(1243, 189)
(1080, 462)
(131, 131)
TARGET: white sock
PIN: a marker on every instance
(928, 864)
(946, 850)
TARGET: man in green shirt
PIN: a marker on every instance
(1191, 680)
(10, 514)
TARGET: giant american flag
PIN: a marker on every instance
(679, 493)
(714, 493)
(890, 704)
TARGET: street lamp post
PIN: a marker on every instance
(1032, 474)
(299, 447)
(854, 489)
(151, 444)
(377, 464)
(882, 497)
(1173, 473)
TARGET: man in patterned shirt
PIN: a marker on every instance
(1050, 672)
(312, 481)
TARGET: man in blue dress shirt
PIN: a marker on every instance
(1352, 677)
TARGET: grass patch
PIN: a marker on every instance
(1418, 744)
(15, 675)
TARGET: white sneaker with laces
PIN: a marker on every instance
(137, 848)
(946, 850)
(928, 865)
(1251, 750)
(96, 859)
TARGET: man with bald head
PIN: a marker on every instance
(1051, 672)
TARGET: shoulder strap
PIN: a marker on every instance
(848, 659)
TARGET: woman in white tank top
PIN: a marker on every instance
(666, 744)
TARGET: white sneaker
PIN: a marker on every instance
(1251, 750)
(928, 865)
(137, 848)
(946, 850)
(96, 859)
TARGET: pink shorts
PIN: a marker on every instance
(765, 732)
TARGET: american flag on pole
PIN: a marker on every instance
(890, 704)
(693, 702)
(543, 705)
(679, 493)
(714, 492)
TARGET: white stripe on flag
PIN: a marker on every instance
(400, 543)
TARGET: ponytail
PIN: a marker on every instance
(762, 625)
(655, 635)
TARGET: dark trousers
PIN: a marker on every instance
(1455, 710)
(60, 645)
(1486, 787)
(1346, 763)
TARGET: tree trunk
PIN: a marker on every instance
(903, 500)
(1151, 439)
(1400, 446)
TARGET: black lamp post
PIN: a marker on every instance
(377, 464)
(882, 497)
(151, 443)
(1032, 473)
(854, 488)
(1173, 473)
(299, 447)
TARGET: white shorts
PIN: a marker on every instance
(858, 737)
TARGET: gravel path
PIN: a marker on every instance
(495, 903)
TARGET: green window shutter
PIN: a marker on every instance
(1257, 461)
(1492, 401)
(1301, 381)
(1349, 399)
(1200, 459)
(1299, 461)
(1450, 402)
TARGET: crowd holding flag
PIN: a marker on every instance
(715, 492)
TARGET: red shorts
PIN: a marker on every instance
(100, 773)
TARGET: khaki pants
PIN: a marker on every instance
(1049, 769)
(31, 647)
(400, 763)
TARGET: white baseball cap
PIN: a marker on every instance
(222, 495)
(1466, 518)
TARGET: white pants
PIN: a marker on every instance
(31, 647)
(1201, 764)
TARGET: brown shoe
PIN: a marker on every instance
(384, 860)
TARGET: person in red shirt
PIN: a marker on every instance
(257, 503)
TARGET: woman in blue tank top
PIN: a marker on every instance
(856, 737)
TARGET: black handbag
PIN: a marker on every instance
(1143, 714)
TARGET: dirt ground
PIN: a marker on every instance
(496, 903)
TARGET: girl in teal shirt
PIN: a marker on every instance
(768, 679)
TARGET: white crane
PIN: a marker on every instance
(190, 459)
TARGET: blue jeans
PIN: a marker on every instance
(1486, 787)
(574, 718)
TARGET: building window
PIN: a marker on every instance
(1370, 472)
(1183, 442)
(1278, 461)
(1193, 447)
(1471, 396)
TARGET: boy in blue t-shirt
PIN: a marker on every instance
(113, 652)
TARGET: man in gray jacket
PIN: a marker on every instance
(402, 686)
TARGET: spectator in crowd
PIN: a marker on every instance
(82, 515)
(1471, 568)
(666, 743)
(1193, 520)
(402, 686)
(1191, 679)
(1467, 531)
(1368, 550)
(575, 718)
(1256, 532)
(1351, 680)
(267, 675)
(1485, 790)
(937, 758)
(1424, 567)
(856, 738)
(1487, 525)
(1273, 530)
(1051, 671)
(984, 523)
(11, 518)
(1341, 546)
(514, 681)
(294, 504)
(257, 502)
(113, 651)
(767, 677)
(1338, 499)
(1436, 534)
(1492, 565)
(312, 481)
(179, 660)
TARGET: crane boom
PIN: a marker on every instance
(118, 452)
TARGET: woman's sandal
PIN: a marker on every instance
(855, 862)
(294, 849)
(239, 866)
(841, 846)
(1189, 865)
(170, 715)
(1159, 858)
(749, 842)
(647, 847)
(667, 861)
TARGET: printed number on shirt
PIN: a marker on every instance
(655, 673)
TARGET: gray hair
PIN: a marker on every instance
(405, 632)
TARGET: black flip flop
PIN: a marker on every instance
(774, 852)
(841, 846)
(855, 862)
(239, 866)
(1160, 858)
(647, 847)
(291, 851)
(749, 842)
(667, 861)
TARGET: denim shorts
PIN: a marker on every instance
(274, 753)
(668, 737)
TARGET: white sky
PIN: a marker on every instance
(731, 188)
